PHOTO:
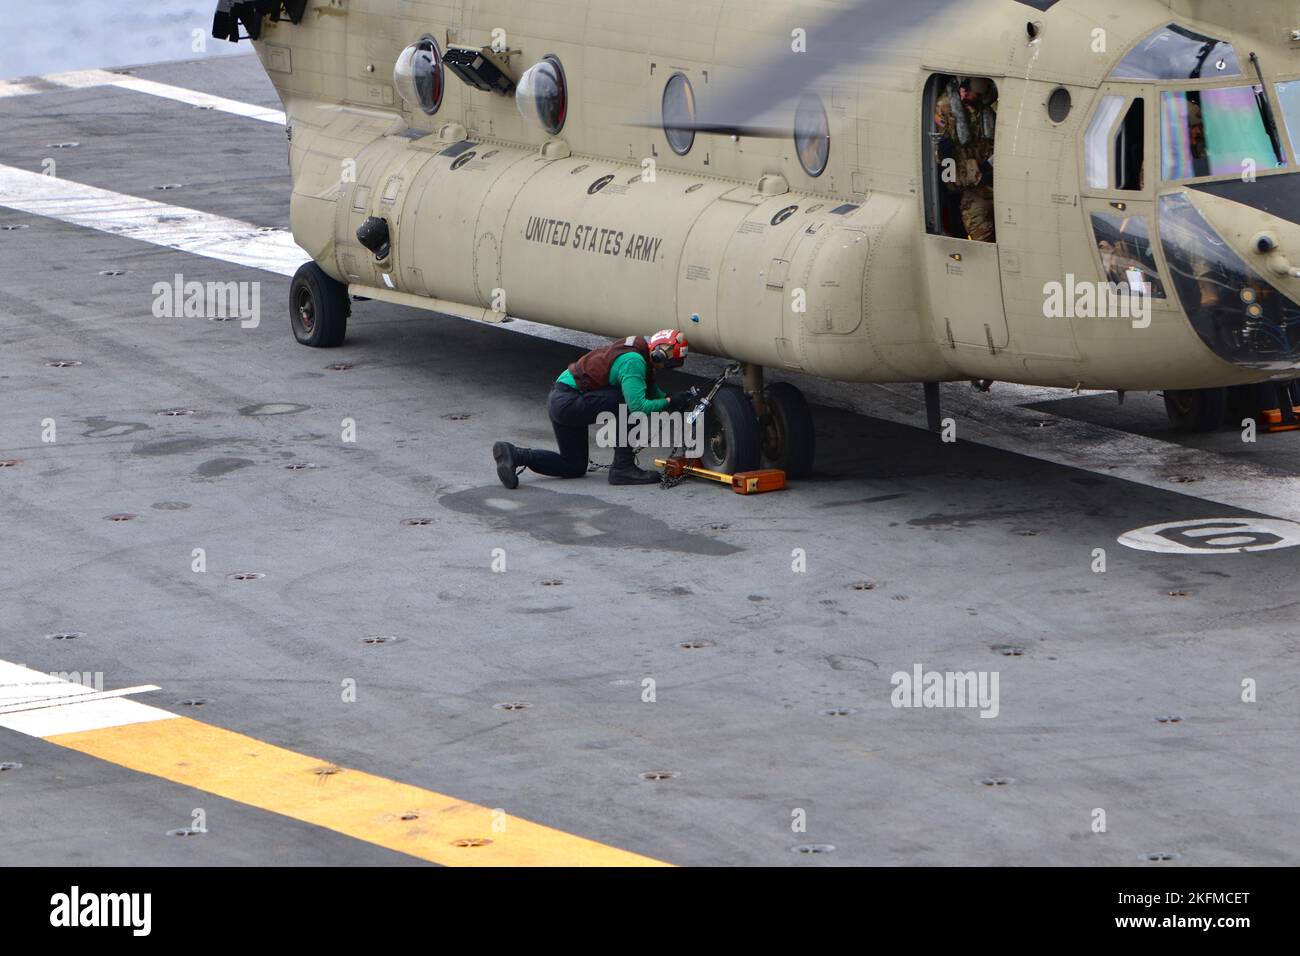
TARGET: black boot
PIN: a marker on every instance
(624, 470)
(510, 462)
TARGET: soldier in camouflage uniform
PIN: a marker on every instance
(966, 116)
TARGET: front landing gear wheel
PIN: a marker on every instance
(731, 437)
(1197, 411)
(318, 308)
(1251, 401)
(788, 439)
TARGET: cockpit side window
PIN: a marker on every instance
(1130, 148)
(1115, 150)
(1097, 142)
(961, 115)
(1127, 254)
(1177, 53)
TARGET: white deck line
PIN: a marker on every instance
(52, 705)
(175, 227)
(91, 79)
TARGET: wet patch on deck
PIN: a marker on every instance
(579, 519)
(222, 466)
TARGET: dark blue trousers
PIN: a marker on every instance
(572, 414)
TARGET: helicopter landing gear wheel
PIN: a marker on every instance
(1201, 410)
(787, 429)
(731, 436)
(1250, 401)
(318, 308)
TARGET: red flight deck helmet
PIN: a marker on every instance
(668, 349)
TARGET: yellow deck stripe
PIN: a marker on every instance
(445, 830)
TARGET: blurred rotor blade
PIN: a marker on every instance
(743, 103)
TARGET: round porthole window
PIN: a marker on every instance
(543, 96)
(418, 76)
(1059, 105)
(679, 114)
(812, 135)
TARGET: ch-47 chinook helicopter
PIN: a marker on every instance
(868, 191)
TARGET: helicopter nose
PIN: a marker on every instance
(1276, 196)
(1234, 254)
(1260, 218)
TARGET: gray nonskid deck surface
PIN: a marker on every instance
(968, 548)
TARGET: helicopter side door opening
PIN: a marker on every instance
(960, 127)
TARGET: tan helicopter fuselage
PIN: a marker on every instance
(604, 229)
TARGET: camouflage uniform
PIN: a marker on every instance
(968, 131)
(977, 214)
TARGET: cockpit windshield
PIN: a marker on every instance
(1217, 132)
(1177, 53)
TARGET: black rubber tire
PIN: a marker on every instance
(1202, 410)
(1248, 401)
(732, 442)
(789, 442)
(318, 308)
(1242, 404)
